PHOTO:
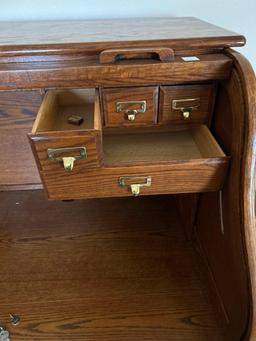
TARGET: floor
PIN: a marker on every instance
(105, 270)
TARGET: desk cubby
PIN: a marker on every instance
(75, 161)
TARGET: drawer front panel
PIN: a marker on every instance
(130, 106)
(67, 145)
(198, 176)
(186, 104)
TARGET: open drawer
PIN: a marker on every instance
(66, 135)
(145, 163)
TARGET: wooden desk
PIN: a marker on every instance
(153, 122)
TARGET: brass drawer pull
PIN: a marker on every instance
(68, 161)
(129, 108)
(135, 183)
(186, 106)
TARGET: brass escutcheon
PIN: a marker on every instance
(128, 108)
(186, 106)
(139, 181)
(68, 161)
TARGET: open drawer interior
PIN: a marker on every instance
(68, 110)
(184, 144)
(67, 131)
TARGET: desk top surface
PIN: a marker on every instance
(91, 34)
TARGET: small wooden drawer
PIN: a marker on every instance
(62, 148)
(136, 106)
(186, 104)
(185, 161)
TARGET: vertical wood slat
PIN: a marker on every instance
(18, 110)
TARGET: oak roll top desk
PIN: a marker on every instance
(127, 152)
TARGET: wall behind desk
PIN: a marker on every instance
(236, 15)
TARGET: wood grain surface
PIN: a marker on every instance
(83, 73)
(100, 270)
(185, 161)
(247, 79)
(160, 147)
(205, 93)
(24, 38)
(111, 97)
(122, 268)
(229, 267)
(121, 149)
(58, 106)
(114, 55)
(17, 113)
(51, 129)
(91, 140)
(201, 175)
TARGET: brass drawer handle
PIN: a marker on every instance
(135, 183)
(186, 106)
(129, 110)
(68, 161)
